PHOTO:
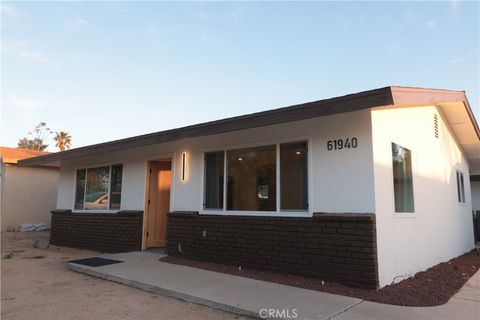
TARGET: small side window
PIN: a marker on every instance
(402, 179)
(460, 187)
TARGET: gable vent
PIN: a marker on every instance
(435, 125)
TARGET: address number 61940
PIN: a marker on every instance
(339, 144)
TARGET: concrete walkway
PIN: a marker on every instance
(251, 297)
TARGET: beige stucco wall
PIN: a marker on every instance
(28, 194)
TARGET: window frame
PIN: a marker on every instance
(109, 165)
(278, 212)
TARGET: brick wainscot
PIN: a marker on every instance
(336, 247)
(104, 232)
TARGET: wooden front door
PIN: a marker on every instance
(158, 203)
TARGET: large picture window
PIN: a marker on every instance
(252, 176)
(252, 179)
(98, 188)
(402, 179)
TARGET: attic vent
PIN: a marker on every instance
(435, 125)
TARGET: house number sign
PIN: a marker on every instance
(339, 144)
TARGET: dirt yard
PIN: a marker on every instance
(36, 284)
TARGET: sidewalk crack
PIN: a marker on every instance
(466, 299)
(346, 309)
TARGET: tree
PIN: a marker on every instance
(24, 143)
(39, 134)
(63, 140)
(32, 144)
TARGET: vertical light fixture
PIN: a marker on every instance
(184, 165)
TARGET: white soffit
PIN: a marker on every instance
(460, 123)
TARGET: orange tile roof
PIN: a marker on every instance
(12, 155)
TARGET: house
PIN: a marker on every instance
(27, 194)
(364, 189)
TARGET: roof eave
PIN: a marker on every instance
(347, 103)
(381, 97)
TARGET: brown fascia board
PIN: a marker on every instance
(347, 103)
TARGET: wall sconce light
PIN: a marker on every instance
(184, 165)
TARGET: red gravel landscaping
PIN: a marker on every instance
(428, 288)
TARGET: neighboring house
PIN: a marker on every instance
(27, 194)
(364, 189)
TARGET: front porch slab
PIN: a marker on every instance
(217, 290)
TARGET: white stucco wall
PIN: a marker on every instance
(28, 194)
(340, 181)
(440, 228)
(475, 188)
(355, 180)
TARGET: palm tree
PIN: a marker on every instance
(63, 140)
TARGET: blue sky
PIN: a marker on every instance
(104, 71)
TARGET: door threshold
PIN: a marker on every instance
(155, 250)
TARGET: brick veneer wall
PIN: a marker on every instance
(336, 247)
(104, 232)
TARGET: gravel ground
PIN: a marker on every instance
(432, 287)
(36, 284)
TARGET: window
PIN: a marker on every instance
(116, 186)
(251, 178)
(98, 188)
(293, 176)
(214, 167)
(80, 189)
(402, 179)
(460, 187)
